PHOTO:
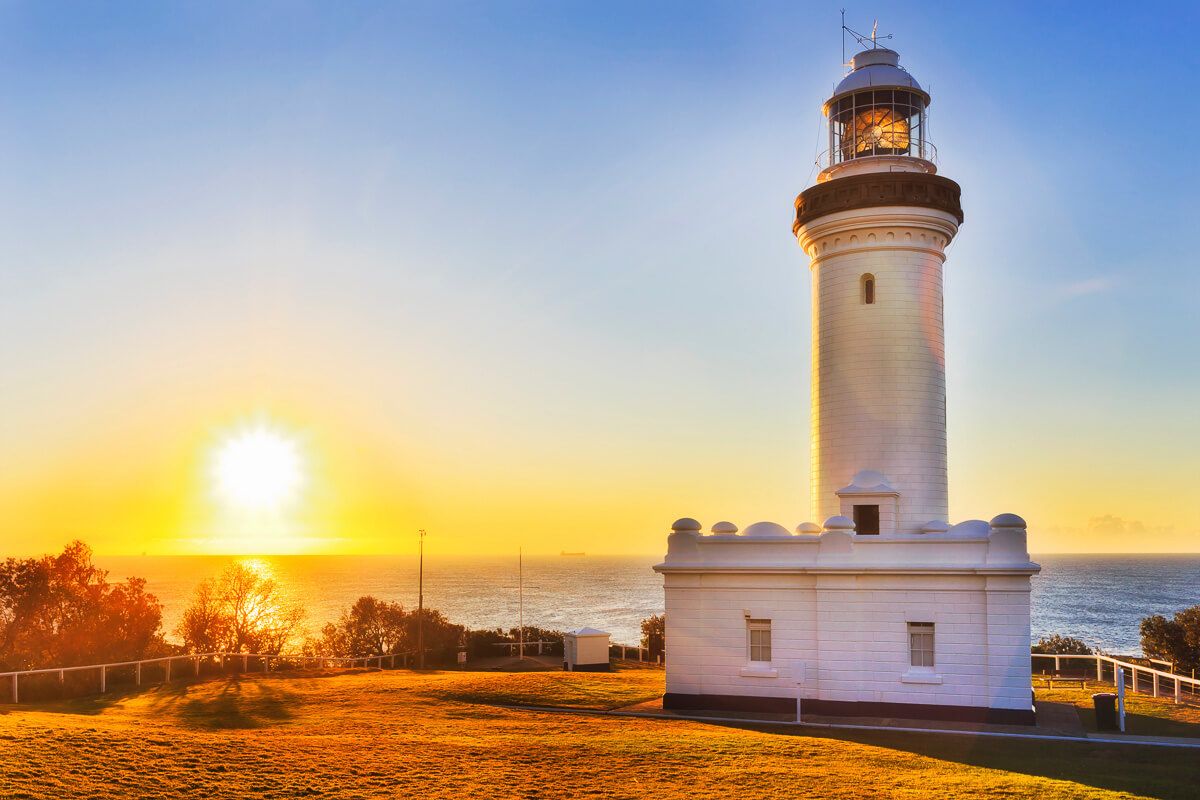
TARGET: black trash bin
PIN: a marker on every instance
(1106, 711)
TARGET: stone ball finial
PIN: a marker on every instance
(808, 528)
(724, 527)
(764, 529)
(1007, 521)
(685, 524)
(970, 528)
(935, 526)
(839, 523)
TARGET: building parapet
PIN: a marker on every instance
(974, 547)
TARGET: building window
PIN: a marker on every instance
(920, 644)
(868, 289)
(760, 640)
(866, 520)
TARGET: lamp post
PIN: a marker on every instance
(421, 599)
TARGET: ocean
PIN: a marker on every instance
(1097, 598)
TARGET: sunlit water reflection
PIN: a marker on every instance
(1100, 599)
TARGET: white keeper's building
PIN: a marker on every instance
(884, 609)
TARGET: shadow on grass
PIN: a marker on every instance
(1160, 772)
(233, 703)
(83, 706)
(163, 694)
(1146, 725)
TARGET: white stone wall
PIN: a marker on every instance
(879, 380)
(839, 607)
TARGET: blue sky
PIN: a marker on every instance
(462, 236)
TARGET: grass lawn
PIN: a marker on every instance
(1144, 715)
(437, 735)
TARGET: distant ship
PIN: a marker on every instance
(565, 553)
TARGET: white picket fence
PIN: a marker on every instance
(526, 647)
(1139, 674)
(260, 660)
(643, 653)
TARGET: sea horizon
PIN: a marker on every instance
(1097, 597)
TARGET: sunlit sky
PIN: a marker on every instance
(523, 274)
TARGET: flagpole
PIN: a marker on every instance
(421, 600)
(521, 603)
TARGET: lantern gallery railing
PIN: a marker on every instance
(261, 661)
(914, 149)
(1139, 675)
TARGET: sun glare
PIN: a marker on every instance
(258, 469)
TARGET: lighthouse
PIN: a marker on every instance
(877, 606)
(875, 228)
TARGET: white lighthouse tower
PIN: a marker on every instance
(878, 607)
(875, 227)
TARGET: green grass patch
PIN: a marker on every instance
(595, 690)
(1145, 715)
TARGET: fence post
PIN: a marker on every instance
(244, 667)
(1119, 674)
(266, 663)
(196, 666)
(16, 694)
(1057, 665)
(167, 679)
(1099, 669)
(1178, 691)
(103, 678)
(222, 662)
(1155, 684)
(137, 674)
(62, 682)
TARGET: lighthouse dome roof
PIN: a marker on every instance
(878, 68)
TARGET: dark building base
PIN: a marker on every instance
(729, 702)
(605, 667)
(839, 708)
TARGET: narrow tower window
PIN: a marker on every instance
(868, 289)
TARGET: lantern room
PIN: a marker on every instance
(877, 112)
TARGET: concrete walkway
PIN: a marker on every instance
(788, 721)
(1053, 719)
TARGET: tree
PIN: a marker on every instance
(240, 611)
(654, 635)
(369, 627)
(1176, 640)
(61, 610)
(204, 626)
(1059, 645)
(376, 627)
(442, 637)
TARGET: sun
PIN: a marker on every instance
(258, 468)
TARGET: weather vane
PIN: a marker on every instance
(862, 39)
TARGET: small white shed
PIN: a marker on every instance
(585, 650)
